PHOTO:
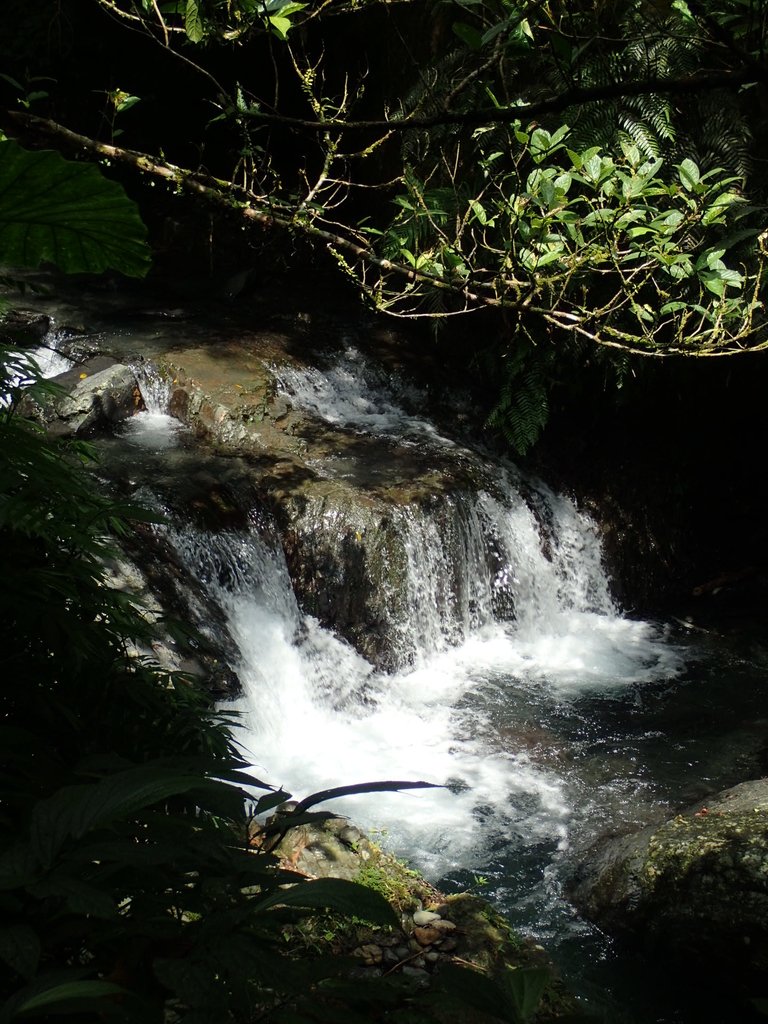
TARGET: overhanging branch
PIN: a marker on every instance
(226, 196)
(528, 111)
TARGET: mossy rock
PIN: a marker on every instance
(695, 887)
(469, 934)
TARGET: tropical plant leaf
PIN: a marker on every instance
(67, 213)
(74, 810)
(472, 989)
(69, 991)
(333, 894)
(20, 949)
(193, 23)
(360, 787)
(524, 989)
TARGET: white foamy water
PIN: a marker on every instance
(506, 619)
(153, 428)
(352, 393)
(317, 715)
(51, 362)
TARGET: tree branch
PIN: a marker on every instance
(520, 111)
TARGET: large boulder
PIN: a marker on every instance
(92, 397)
(338, 497)
(695, 887)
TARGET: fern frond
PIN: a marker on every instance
(522, 411)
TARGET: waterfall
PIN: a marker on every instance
(351, 391)
(494, 614)
(503, 618)
(153, 427)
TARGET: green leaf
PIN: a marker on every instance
(525, 988)
(127, 103)
(389, 786)
(479, 211)
(468, 34)
(335, 894)
(549, 257)
(683, 9)
(193, 23)
(74, 810)
(68, 991)
(473, 989)
(689, 174)
(55, 210)
(592, 167)
(80, 897)
(281, 26)
(713, 282)
(20, 949)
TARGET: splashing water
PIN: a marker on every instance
(507, 606)
(153, 428)
(316, 714)
(353, 393)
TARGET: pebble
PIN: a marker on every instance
(422, 917)
(416, 972)
(370, 953)
(443, 926)
(426, 936)
(449, 945)
(350, 835)
(402, 952)
(432, 956)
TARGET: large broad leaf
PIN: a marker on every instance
(347, 898)
(54, 210)
(20, 948)
(73, 810)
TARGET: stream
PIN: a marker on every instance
(547, 717)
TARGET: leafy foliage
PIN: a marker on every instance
(585, 170)
(58, 211)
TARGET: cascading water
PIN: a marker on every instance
(353, 392)
(506, 598)
(153, 427)
(50, 360)
(518, 687)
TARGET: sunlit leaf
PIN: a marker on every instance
(58, 211)
(193, 23)
(333, 894)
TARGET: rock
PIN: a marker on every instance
(442, 926)
(422, 917)
(426, 936)
(99, 393)
(448, 945)
(341, 499)
(417, 973)
(24, 327)
(370, 953)
(695, 888)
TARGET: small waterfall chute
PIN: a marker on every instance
(153, 427)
